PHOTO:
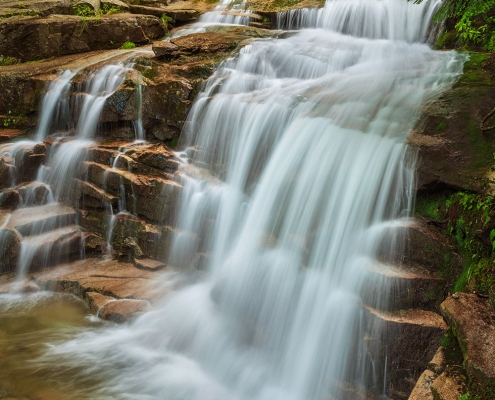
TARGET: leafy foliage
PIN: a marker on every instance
(472, 20)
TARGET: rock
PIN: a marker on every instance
(6, 135)
(473, 322)
(422, 390)
(32, 38)
(408, 339)
(123, 310)
(439, 361)
(114, 278)
(9, 199)
(453, 152)
(10, 8)
(207, 42)
(409, 287)
(450, 385)
(96, 301)
(165, 50)
(9, 249)
(149, 264)
(131, 244)
(34, 193)
(177, 15)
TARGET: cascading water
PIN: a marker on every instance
(227, 12)
(305, 140)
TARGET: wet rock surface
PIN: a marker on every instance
(473, 321)
(33, 38)
(453, 152)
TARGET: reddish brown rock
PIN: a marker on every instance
(473, 322)
(422, 390)
(149, 264)
(33, 38)
(123, 310)
(96, 301)
(110, 277)
(450, 385)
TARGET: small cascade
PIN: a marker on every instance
(138, 123)
(46, 230)
(227, 12)
(97, 88)
(55, 106)
(384, 19)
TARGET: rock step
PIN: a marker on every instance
(401, 343)
(120, 280)
(36, 220)
(93, 191)
(51, 248)
(409, 286)
(111, 309)
(149, 264)
(419, 244)
(149, 196)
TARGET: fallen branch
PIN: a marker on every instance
(482, 124)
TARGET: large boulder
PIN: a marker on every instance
(473, 322)
(34, 38)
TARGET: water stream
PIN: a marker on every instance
(309, 173)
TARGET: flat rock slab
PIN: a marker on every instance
(149, 264)
(109, 277)
(474, 324)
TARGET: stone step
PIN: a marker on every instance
(33, 193)
(150, 196)
(120, 280)
(50, 248)
(98, 198)
(36, 220)
(408, 286)
(419, 244)
(400, 344)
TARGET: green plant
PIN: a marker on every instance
(108, 8)
(21, 5)
(127, 46)
(472, 20)
(5, 61)
(83, 10)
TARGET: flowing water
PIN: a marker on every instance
(299, 176)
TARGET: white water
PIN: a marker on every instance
(227, 12)
(55, 103)
(383, 19)
(305, 141)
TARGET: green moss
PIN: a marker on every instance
(430, 205)
(441, 126)
(127, 46)
(285, 3)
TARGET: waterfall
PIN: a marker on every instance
(55, 104)
(308, 172)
